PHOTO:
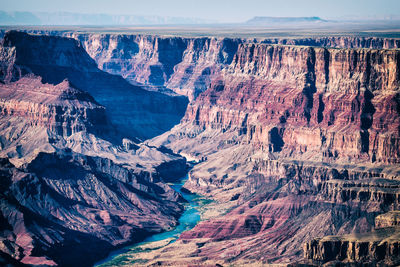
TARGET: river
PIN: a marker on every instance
(190, 217)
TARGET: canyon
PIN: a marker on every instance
(296, 141)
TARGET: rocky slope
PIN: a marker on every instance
(71, 190)
(295, 143)
(187, 65)
(65, 208)
(137, 113)
(296, 139)
(380, 246)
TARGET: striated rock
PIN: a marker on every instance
(84, 205)
(310, 101)
(380, 247)
(137, 113)
(187, 65)
(61, 108)
(293, 142)
(298, 142)
(389, 219)
(339, 42)
(69, 193)
(184, 65)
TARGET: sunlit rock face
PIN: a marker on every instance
(331, 103)
(296, 143)
(297, 139)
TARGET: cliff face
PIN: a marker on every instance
(61, 108)
(137, 113)
(185, 65)
(322, 102)
(70, 193)
(380, 246)
(294, 143)
(66, 202)
(339, 42)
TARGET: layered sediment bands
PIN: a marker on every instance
(388, 219)
(69, 193)
(384, 192)
(378, 247)
(66, 209)
(134, 111)
(294, 143)
(203, 59)
(339, 42)
(185, 65)
(62, 109)
(335, 103)
(144, 59)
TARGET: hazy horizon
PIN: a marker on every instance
(222, 11)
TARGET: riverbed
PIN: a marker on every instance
(189, 218)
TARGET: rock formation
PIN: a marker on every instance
(70, 191)
(379, 247)
(297, 140)
(187, 65)
(137, 113)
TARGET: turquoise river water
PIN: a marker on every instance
(187, 221)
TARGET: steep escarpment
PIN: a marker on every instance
(71, 191)
(318, 102)
(339, 42)
(137, 113)
(294, 143)
(378, 247)
(61, 108)
(185, 65)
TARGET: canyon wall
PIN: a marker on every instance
(316, 102)
(183, 64)
(73, 185)
(137, 113)
(294, 143)
(295, 139)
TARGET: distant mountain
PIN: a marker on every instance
(283, 20)
(68, 18)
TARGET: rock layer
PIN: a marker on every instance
(379, 247)
(136, 112)
(70, 193)
(324, 102)
(294, 142)
(84, 205)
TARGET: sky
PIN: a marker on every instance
(216, 10)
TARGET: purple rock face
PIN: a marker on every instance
(297, 141)
(135, 112)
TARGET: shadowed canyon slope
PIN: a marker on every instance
(298, 142)
(71, 190)
(56, 59)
